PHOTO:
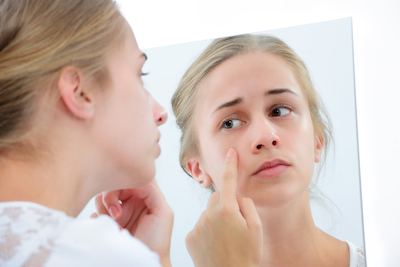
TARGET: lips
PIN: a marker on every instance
(159, 136)
(271, 168)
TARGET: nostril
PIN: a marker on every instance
(273, 143)
(162, 117)
(259, 147)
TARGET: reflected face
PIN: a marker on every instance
(253, 103)
(130, 118)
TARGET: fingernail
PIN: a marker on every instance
(231, 152)
(113, 211)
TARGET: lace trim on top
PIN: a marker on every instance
(357, 255)
(27, 233)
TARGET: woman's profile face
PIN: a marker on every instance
(253, 103)
(129, 117)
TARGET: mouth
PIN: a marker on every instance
(158, 145)
(271, 168)
(159, 136)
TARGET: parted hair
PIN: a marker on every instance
(38, 38)
(184, 99)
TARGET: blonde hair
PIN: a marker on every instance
(184, 99)
(38, 38)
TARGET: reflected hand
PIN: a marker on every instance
(229, 231)
(144, 212)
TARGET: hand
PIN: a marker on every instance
(229, 231)
(144, 212)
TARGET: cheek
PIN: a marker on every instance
(213, 158)
(301, 143)
(214, 151)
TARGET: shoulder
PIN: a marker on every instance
(100, 242)
(357, 255)
(31, 234)
(26, 230)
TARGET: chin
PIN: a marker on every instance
(142, 182)
(147, 176)
(275, 197)
(139, 175)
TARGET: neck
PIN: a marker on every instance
(56, 183)
(291, 238)
(59, 173)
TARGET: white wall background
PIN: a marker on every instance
(377, 55)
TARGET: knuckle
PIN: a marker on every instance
(99, 198)
(168, 213)
(228, 173)
(189, 239)
(208, 219)
(256, 224)
(245, 200)
(241, 200)
(167, 208)
(225, 212)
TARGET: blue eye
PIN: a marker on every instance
(278, 112)
(229, 124)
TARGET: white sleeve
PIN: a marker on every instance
(100, 242)
(357, 256)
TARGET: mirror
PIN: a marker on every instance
(327, 50)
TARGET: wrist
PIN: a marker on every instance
(165, 261)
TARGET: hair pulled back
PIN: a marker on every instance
(38, 38)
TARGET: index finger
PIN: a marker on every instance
(229, 178)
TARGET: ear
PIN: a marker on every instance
(197, 172)
(72, 91)
(319, 145)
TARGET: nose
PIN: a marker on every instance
(159, 113)
(265, 137)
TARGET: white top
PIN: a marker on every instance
(357, 256)
(34, 235)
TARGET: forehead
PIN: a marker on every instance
(130, 45)
(127, 52)
(131, 41)
(249, 74)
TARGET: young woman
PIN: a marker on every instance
(253, 126)
(75, 120)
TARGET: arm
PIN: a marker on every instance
(229, 231)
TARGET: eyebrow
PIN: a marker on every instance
(230, 104)
(279, 91)
(240, 99)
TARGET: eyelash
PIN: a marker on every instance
(281, 106)
(221, 126)
(144, 73)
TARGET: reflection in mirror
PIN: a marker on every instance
(326, 49)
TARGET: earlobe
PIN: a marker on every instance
(197, 173)
(319, 145)
(74, 94)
